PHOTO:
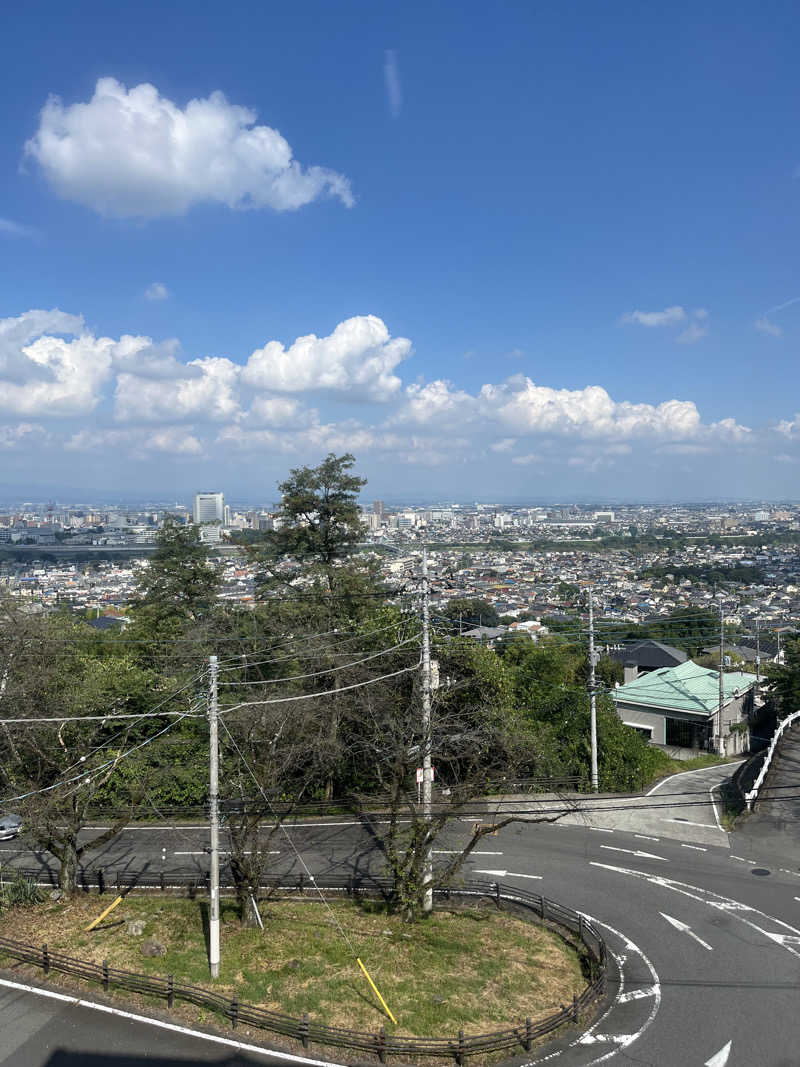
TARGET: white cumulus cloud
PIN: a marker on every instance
(156, 291)
(670, 316)
(43, 372)
(359, 358)
(136, 154)
(140, 444)
(208, 390)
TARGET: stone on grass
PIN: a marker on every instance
(151, 947)
(56, 894)
(135, 927)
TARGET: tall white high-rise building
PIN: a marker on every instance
(208, 507)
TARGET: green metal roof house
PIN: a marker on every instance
(678, 707)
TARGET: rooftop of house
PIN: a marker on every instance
(687, 687)
(649, 654)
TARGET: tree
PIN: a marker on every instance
(784, 680)
(471, 611)
(475, 738)
(177, 589)
(319, 516)
(52, 669)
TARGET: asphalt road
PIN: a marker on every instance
(707, 944)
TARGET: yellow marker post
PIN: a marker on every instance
(108, 911)
(384, 1005)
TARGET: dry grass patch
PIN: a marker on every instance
(476, 969)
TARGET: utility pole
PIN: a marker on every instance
(213, 797)
(721, 743)
(427, 765)
(593, 696)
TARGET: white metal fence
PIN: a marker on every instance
(752, 795)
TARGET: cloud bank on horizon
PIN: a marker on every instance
(62, 386)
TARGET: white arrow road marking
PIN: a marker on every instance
(719, 903)
(631, 852)
(637, 994)
(685, 929)
(511, 874)
(719, 1059)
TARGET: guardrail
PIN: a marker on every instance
(752, 795)
(525, 905)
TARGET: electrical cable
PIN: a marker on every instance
(329, 670)
(94, 770)
(292, 845)
(324, 693)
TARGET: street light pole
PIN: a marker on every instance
(213, 796)
(427, 765)
(593, 697)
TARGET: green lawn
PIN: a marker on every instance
(476, 970)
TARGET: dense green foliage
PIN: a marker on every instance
(319, 694)
(708, 573)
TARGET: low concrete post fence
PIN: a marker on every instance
(521, 1037)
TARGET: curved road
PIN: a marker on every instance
(706, 941)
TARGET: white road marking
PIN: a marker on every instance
(719, 1059)
(513, 874)
(797, 898)
(783, 870)
(228, 1042)
(644, 837)
(656, 987)
(680, 774)
(741, 859)
(458, 851)
(696, 848)
(714, 808)
(613, 1039)
(687, 822)
(636, 994)
(719, 903)
(601, 830)
(632, 852)
(685, 929)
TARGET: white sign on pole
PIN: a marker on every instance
(420, 776)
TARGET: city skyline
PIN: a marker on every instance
(533, 257)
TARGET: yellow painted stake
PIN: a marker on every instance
(108, 911)
(384, 1005)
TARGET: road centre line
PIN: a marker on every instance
(458, 851)
(601, 830)
(224, 852)
(695, 848)
(240, 1046)
(644, 837)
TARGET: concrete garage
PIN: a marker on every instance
(678, 708)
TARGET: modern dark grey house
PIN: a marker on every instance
(647, 655)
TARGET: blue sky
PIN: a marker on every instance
(544, 249)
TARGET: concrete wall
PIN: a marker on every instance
(637, 716)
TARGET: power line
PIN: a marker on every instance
(325, 693)
(329, 670)
(94, 770)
